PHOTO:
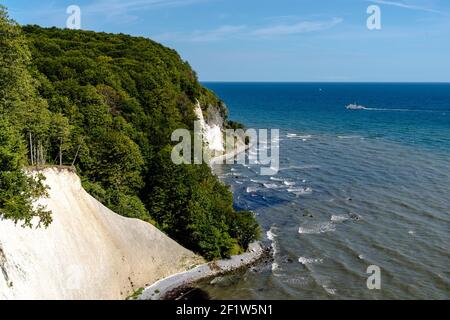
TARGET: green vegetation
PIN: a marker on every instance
(20, 108)
(108, 105)
(136, 294)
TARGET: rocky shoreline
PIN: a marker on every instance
(177, 286)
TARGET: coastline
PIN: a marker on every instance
(173, 285)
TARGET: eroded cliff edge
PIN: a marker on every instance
(88, 252)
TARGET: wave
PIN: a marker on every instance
(339, 218)
(350, 137)
(300, 191)
(288, 183)
(331, 291)
(251, 189)
(271, 185)
(276, 179)
(271, 235)
(291, 135)
(229, 174)
(320, 228)
(275, 267)
(301, 137)
(305, 261)
(274, 244)
(310, 166)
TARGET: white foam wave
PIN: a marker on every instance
(275, 266)
(275, 179)
(300, 191)
(251, 189)
(331, 291)
(350, 137)
(296, 136)
(308, 166)
(273, 239)
(288, 183)
(270, 185)
(274, 244)
(320, 228)
(305, 261)
(339, 218)
(271, 235)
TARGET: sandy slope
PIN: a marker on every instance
(88, 252)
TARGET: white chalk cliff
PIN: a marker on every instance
(88, 252)
(213, 136)
(211, 130)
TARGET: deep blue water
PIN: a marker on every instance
(355, 188)
(406, 113)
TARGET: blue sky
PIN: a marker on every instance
(276, 40)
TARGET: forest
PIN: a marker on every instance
(107, 105)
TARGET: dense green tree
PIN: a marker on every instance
(18, 100)
(108, 104)
(19, 190)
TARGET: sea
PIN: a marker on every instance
(360, 206)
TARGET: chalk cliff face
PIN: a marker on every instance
(88, 252)
(212, 128)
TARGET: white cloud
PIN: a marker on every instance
(407, 5)
(123, 8)
(242, 31)
(297, 28)
(201, 36)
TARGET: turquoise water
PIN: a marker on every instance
(356, 188)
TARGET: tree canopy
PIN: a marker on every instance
(108, 104)
(18, 101)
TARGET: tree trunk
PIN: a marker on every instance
(42, 155)
(60, 151)
(31, 150)
(37, 153)
(76, 155)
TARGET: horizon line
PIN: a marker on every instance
(337, 82)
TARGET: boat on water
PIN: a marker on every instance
(355, 106)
